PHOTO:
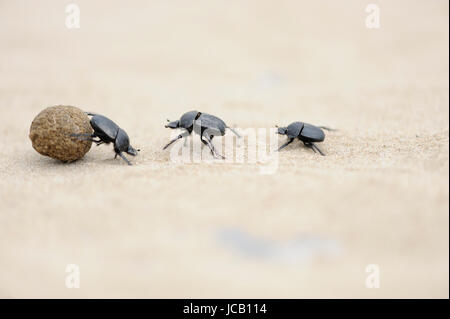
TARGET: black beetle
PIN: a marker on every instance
(206, 125)
(307, 133)
(109, 132)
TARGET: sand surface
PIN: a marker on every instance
(164, 229)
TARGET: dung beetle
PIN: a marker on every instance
(109, 132)
(307, 133)
(206, 125)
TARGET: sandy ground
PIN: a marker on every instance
(164, 229)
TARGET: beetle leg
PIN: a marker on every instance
(208, 142)
(327, 128)
(88, 137)
(285, 144)
(184, 134)
(123, 157)
(83, 136)
(234, 131)
(315, 147)
(309, 145)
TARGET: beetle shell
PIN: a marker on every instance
(104, 128)
(188, 118)
(214, 125)
(311, 133)
(294, 129)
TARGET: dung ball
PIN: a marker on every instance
(52, 130)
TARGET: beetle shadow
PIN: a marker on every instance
(300, 249)
(43, 161)
(300, 146)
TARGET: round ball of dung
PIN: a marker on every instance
(52, 133)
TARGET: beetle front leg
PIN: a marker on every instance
(123, 157)
(285, 144)
(184, 134)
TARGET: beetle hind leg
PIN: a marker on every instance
(315, 148)
(208, 142)
(328, 128)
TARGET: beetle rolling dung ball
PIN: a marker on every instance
(51, 131)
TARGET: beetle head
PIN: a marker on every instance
(282, 130)
(173, 125)
(132, 151)
(122, 142)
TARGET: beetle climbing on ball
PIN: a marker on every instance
(307, 133)
(109, 132)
